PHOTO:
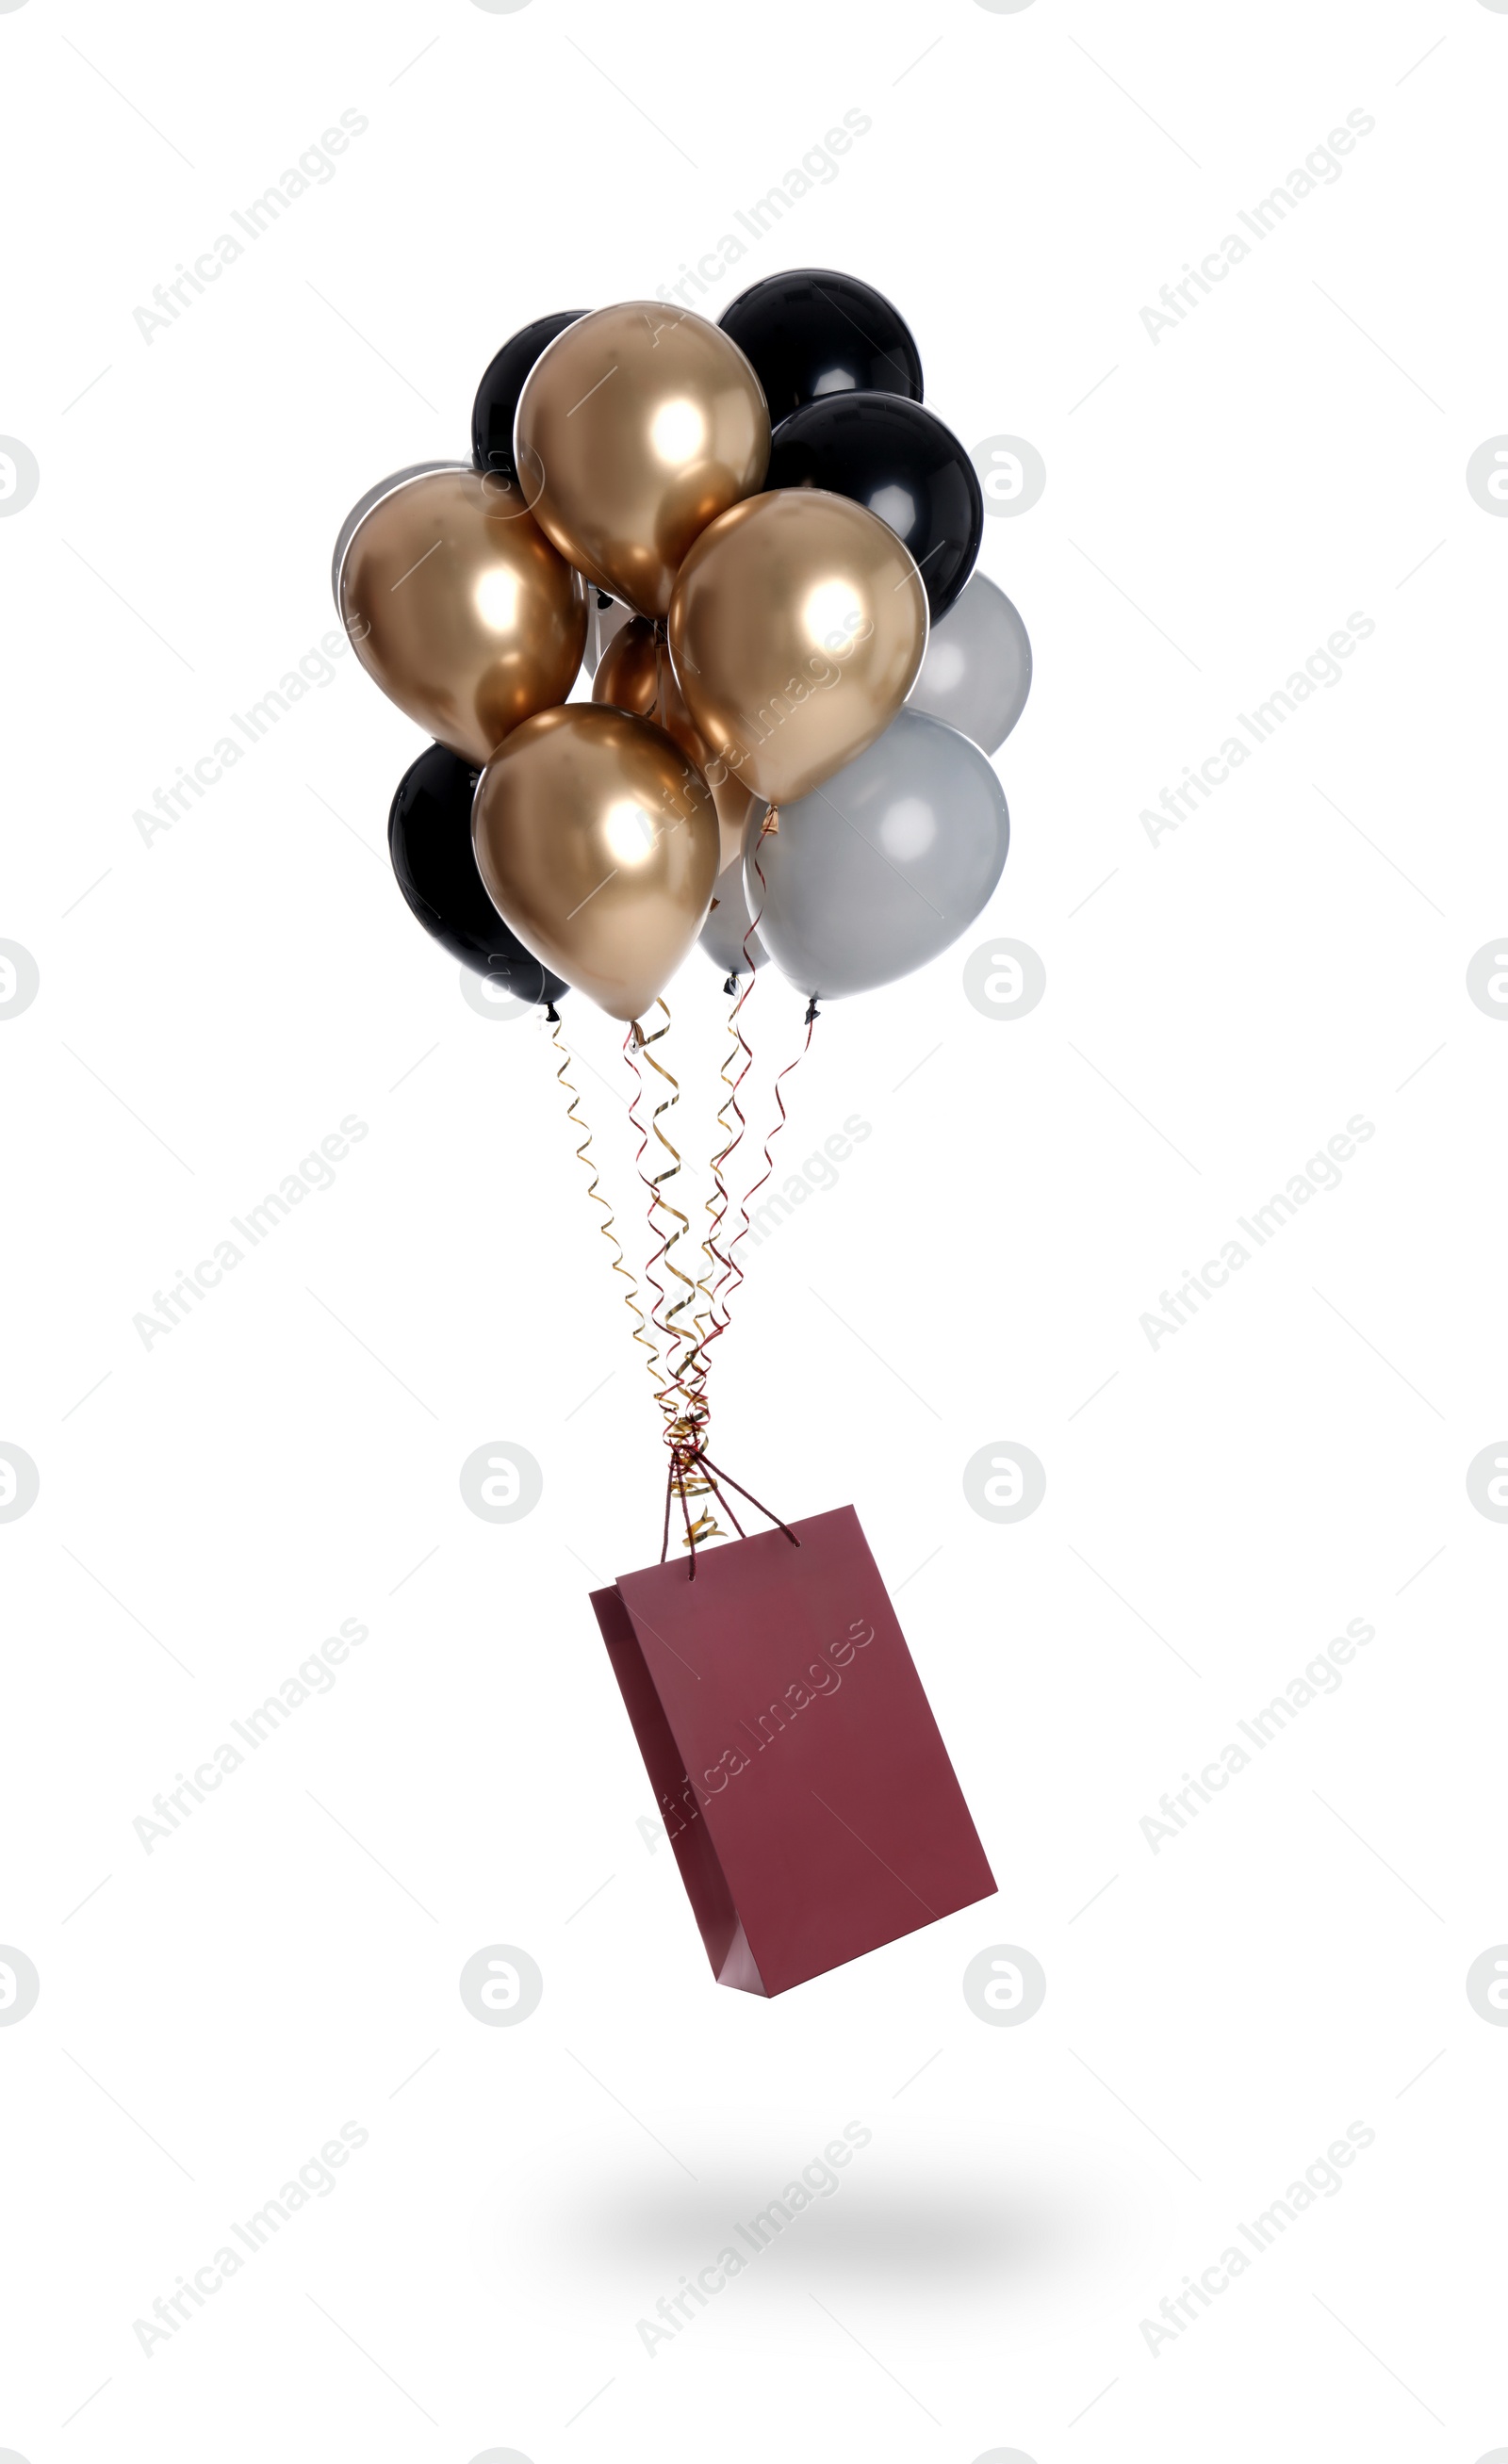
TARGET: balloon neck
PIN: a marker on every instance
(812, 1012)
(552, 1016)
(732, 984)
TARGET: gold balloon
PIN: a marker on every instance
(797, 628)
(598, 842)
(629, 674)
(636, 428)
(637, 674)
(460, 608)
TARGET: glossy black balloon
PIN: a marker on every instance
(812, 334)
(498, 394)
(902, 463)
(430, 841)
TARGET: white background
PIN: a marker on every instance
(213, 1004)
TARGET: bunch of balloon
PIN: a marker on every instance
(764, 543)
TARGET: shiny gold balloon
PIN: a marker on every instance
(797, 628)
(629, 674)
(460, 608)
(637, 674)
(634, 430)
(598, 842)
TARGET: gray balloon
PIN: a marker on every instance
(728, 921)
(977, 671)
(882, 865)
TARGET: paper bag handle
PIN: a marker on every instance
(676, 1479)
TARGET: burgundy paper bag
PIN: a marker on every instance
(808, 1797)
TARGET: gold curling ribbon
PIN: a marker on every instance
(731, 1274)
(664, 1393)
(719, 1201)
(776, 1128)
(684, 1408)
(584, 1156)
(676, 1335)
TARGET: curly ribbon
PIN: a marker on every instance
(680, 1398)
(660, 1203)
(730, 1275)
(606, 1227)
(679, 1377)
(731, 1271)
(770, 1160)
(700, 1464)
(769, 826)
(664, 1391)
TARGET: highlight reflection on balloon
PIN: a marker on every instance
(597, 841)
(637, 426)
(459, 608)
(637, 674)
(797, 628)
(900, 461)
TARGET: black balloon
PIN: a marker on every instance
(902, 463)
(811, 334)
(430, 841)
(498, 394)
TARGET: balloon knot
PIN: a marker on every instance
(812, 1011)
(551, 1015)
